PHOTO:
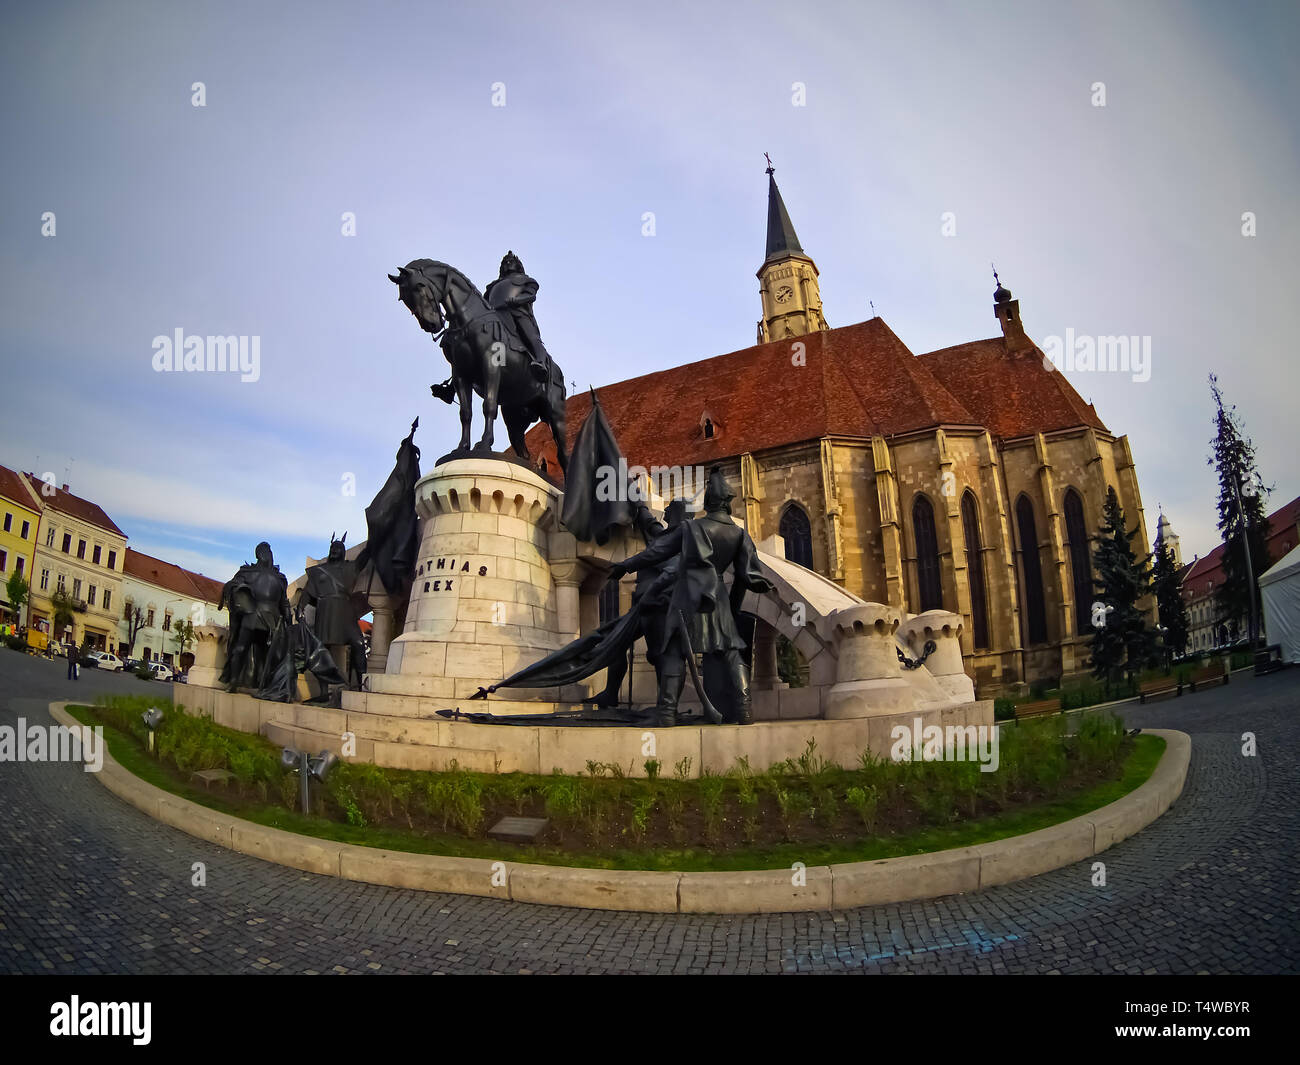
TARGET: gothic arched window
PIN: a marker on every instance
(1032, 573)
(975, 569)
(1080, 564)
(797, 533)
(927, 556)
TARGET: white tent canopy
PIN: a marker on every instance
(1279, 589)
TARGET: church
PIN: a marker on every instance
(968, 479)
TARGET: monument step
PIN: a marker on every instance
(428, 757)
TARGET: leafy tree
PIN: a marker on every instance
(1121, 640)
(1169, 600)
(183, 637)
(1242, 518)
(134, 618)
(18, 592)
(62, 606)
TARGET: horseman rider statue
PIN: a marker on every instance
(513, 293)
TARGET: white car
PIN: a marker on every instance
(161, 671)
(107, 661)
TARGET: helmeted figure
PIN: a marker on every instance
(260, 627)
(515, 293)
(329, 588)
(701, 614)
(655, 613)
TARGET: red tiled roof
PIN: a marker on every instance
(170, 576)
(859, 380)
(1011, 395)
(14, 488)
(67, 503)
(1281, 530)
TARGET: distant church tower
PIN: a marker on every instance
(1165, 535)
(792, 300)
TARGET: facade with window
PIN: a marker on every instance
(167, 596)
(78, 551)
(970, 479)
(1207, 628)
(19, 521)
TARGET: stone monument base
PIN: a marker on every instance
(422, 740)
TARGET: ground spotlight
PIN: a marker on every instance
(307, 767)
(152, 718)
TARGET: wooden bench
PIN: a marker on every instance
(1159, 686)
(1208, 677)
(1039, 709)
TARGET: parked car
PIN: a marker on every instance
(161, 671)
(103, 660)
(132, 664)
(181, 678)
(89, 659)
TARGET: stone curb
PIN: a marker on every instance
(836, 887)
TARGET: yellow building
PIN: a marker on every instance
(20, 519)
(80, 551)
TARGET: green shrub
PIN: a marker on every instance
(711, 788)
(864, 801)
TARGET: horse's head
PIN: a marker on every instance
(422, 289)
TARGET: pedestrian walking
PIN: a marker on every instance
(72, 662)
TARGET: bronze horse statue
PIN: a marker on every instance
(486, 354)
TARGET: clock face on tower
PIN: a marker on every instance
(784, 293)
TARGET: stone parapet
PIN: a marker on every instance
(867, 681)
(945, 661)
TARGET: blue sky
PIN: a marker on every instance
(226, 219)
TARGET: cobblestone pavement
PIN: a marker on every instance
(90, 885)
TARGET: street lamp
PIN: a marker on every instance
(306, 767)
(1163, 631)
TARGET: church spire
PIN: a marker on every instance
(781, 237)
(792, 303)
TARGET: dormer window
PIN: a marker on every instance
(708, 429)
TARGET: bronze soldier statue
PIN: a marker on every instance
(514, 293)
(260, 620)
(701, 614)
(329, 589)
(655, 611)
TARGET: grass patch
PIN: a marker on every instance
(803, 810)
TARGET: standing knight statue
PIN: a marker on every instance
(260, 624)
(329, 589)
(702, 614)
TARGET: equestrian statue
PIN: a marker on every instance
(494, 347)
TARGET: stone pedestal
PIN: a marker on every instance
(381, 633)
(484, 603)
(945, 661)
(765, 676)
(209, 655)
(867, 682)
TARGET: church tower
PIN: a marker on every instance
(792, 300)
(1165, 535)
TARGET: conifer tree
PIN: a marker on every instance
(1241, 511)
(1121, 641)
(1169, 600)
